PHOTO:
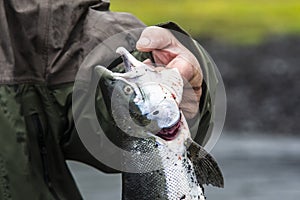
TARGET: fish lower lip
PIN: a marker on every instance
(169, 133)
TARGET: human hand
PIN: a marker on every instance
(167, 50)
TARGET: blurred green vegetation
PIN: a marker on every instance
(238, 21)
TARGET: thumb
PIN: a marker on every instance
(154, 37)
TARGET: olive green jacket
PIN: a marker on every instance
(42, 45)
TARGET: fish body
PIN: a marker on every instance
(161, 161)
(174, 176)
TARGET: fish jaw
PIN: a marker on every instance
(131, 62)
(111, 81)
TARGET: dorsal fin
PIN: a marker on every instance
(206, 168)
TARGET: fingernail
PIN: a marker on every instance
(143, 42)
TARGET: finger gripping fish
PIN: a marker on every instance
(163, 162)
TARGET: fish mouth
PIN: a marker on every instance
(169, 133)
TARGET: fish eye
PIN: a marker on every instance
(128, 90)
(156, 112)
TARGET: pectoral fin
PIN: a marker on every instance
(206, 168)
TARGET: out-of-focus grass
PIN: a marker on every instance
(239, 21)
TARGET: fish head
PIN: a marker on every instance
(139, 109)
(121, 98)
(160, 93)
(143, 101)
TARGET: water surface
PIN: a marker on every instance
(255, 168)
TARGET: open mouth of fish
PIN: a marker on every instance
(153, 96)
(169, 133)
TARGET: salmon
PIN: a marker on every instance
(161, 161)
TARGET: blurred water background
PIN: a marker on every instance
(256, 46)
